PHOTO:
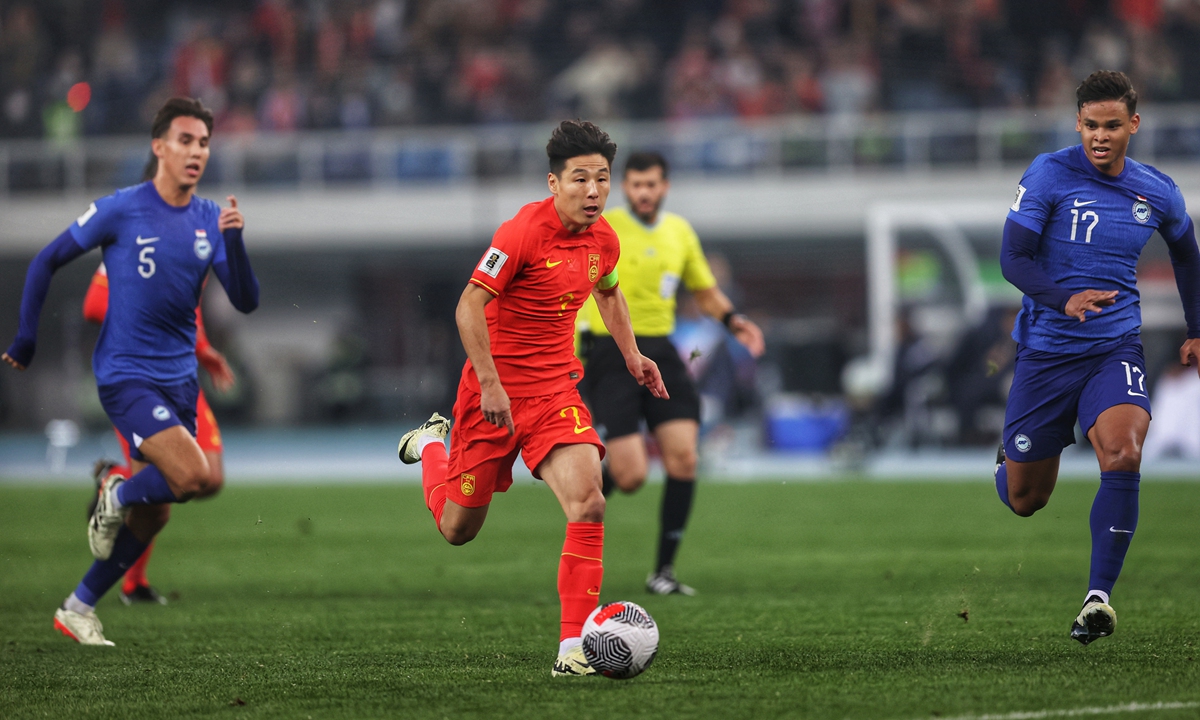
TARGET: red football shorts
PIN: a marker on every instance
(208, 435)
(482, 455)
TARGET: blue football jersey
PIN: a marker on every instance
(1093, 228)
(157, 257)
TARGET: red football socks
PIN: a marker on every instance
(580, 572)
(135, 576)
(433, 479)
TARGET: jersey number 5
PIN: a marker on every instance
(146, 266)
(1075, 218)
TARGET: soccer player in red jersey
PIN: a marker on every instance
(136, 587)
(517, 394)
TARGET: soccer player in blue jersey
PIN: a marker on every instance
(159, 241)
(1071, 243)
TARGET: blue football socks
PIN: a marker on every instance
(105, 573)
(1114, 519)
(1002, 484)
(147, 487)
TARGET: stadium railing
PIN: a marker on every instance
(913, 142)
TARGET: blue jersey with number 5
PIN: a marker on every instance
(157, 257)
(1093, 229)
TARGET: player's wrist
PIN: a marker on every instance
(729, 317)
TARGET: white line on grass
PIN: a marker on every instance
(1077, 712)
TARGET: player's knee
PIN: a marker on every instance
(458, 536)
(216, 481)
(628, 482)
(681, 463)
(191, 482)
(590, 509)
(1126, 457)
(1027, 505)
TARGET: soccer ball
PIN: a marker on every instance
(620, 639)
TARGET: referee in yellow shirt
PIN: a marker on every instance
(659, 250)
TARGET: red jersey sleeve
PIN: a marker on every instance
(612, 253)
(502, 260)
(95, 303)
(202, 343)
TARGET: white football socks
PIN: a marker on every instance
(569, 644)
(1098, 593)
(425, 441)
(76, 605)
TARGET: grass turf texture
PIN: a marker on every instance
(815, 600)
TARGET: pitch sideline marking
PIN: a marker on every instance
(1077, 712)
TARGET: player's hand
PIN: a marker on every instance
(748, 334)
(231, 217)
(1189, 354)
(1094, 301)
(494, 403)
(12, 362)
(646, 373)
(218, 368)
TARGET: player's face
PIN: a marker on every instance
(1105, 128)
(645, 190)
(580, 191)
(182, 152)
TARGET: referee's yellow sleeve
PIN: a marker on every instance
(697, 275)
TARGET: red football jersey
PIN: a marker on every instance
(540, 273)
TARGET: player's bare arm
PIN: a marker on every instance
(615, 313)
(1089, 301)
(472, 328)
(717, 305)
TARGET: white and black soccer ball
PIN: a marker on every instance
(620, 639)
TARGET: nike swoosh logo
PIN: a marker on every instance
(1113, 529)
(1081, 204)
(1135, 394)
(143, 241)
(553, 264)
(585, 428)
(591, 591)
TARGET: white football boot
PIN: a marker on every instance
(572, 662)
(106, 519)
(1097, 619)
(409, 450)
(83, 628)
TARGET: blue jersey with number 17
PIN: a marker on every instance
(1093, 229)
(157, 257)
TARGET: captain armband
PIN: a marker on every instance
(609, 281)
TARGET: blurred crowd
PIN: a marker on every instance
(281, 65)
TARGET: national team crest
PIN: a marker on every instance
(1141, 210)
(593, 267)
(1023, 443)
(202, 246)
(468, 484)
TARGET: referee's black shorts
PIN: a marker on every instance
(618, 403)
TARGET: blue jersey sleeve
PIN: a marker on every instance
(98, 226)
(1036, 195)
(1173, 227)
(231, 265)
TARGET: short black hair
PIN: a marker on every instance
(646, 159)
(573, 138)
(1107, 85)
(180, 107)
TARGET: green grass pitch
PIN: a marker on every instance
(816, 600)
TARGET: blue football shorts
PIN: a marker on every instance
(140, 409)
(1051, 391)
